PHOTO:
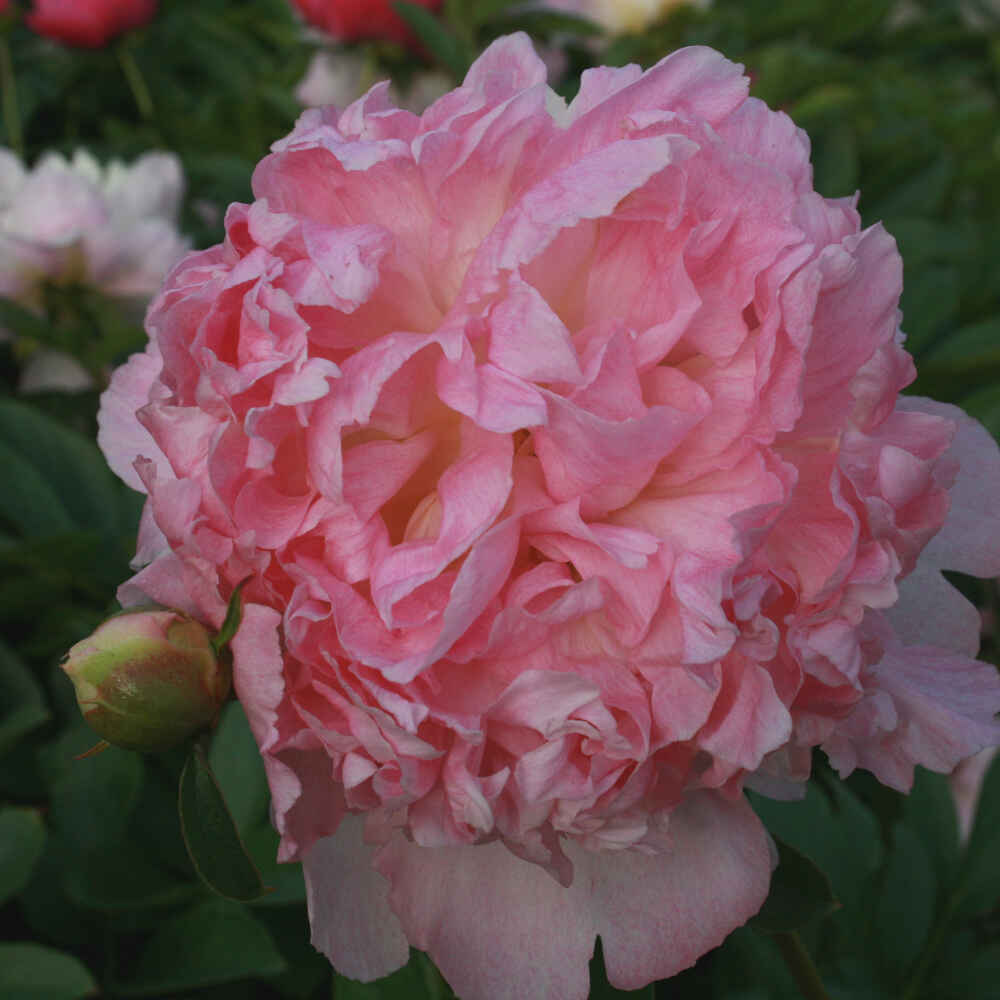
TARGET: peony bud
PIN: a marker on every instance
(149, 679)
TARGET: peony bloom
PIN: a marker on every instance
(89, 23)
(113, 228)
(354, 20)
(622, 16)
(563, 450)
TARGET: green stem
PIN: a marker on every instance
(136, 81)
(11, 116)
(929, 952)
(801, 966)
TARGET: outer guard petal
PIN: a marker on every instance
(348, 906)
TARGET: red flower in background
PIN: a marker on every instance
(352, 20)
(88, 23)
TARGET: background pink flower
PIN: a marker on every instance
(352, 20)
(563, 450)
(89, 23)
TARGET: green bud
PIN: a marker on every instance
(148, 680)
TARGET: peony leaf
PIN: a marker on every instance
(904, 905)
(22, 840)
(68, 464)
(237, 766)
(213, 942)
(978, 886)
(800, 893)
(34, 972)
(22, 704)
(211, 837)
(417, 979)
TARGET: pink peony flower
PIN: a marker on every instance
(562, 447)
(89, 23)
(353, 20)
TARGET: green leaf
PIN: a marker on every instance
(904, 905)
(22, 841)
(831, 828)
(443, 45)
(418, 978)
(28, 504)
(34, 972)
(929, 811)
(22, 704)
(747, 958)
(285, 883)
(68, 463)
(235, 761)
(800, 893)
(92, 799)
(211, 837)
(212, 943)
(979, 875)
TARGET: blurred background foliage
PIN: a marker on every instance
(97, 895)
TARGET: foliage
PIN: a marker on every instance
(97, 890)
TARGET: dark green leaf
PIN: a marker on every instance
(284, 882)
(22, 704)
(28, 504)
(929, 811)
(66, 461)
(748, 959)
(800, 893)
(440, 42)
(212, 840)
(123, 878)
(979, 875)
(418, 978)
(22, 841)
(237, 766)
(92, 799)
(34, 972)
(833, 829)
(214, 942)
(904, 907)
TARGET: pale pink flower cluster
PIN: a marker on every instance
(562, 451)
(111, 227)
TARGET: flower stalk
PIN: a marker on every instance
(801, 966)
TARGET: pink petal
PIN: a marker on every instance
(659, 914)
(497, 927)
(349, 912)
(121, 437)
